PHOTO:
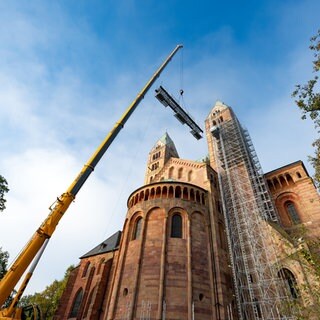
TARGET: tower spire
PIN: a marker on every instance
(161, 152)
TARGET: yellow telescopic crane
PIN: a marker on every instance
(57, 210)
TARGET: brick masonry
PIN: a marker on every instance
(152, 275)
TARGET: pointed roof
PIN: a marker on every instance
(219, 105)
(166, 141)
(107, 245)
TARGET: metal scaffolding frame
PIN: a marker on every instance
(247, 208)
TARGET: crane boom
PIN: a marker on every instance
(62, 203)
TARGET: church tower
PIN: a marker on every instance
(247, 207)
(172, 256)
(162, 151)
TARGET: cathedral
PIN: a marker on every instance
(216, 239)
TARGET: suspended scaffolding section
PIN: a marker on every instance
(167, 100)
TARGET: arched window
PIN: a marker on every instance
(85, 270)
(137, 229)
(190, 175)
(180, 173)
(89, 302)
(164, 192)
(282, 181)
(176, 226)
(158, 192)
(76, 304)
(289, 178)
(192, 195)
(170, 194)
(292, 212)
(100, 265)
(185, 193)
(290, 281)
(171, 172)
(178, 192)
(276, 183)
(198, 196)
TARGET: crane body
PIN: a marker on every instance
(61, 205)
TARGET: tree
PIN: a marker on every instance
(4, 256)
(308, 100)
(49, 298)
(3, 189)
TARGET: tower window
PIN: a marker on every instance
(176, 226)
(76, 304)
(137, 229)
(292, 212)
(156, 156)
(155, 166)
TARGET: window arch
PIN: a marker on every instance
(192, 195)
(176, 226)
(276, 183)
(137, 229)
(292, 212)
(89, 302)
(85, 270)
(282, 181)
(100, 265)
(290, 281)
(76, 304)
(170, 194)
(171, 172)
(289, 178)
(164, 192)
(178, 192)
(180, 173)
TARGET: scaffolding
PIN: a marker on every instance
(247, 208)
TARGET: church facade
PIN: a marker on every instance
(172, 259)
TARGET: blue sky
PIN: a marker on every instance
(68, 70)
